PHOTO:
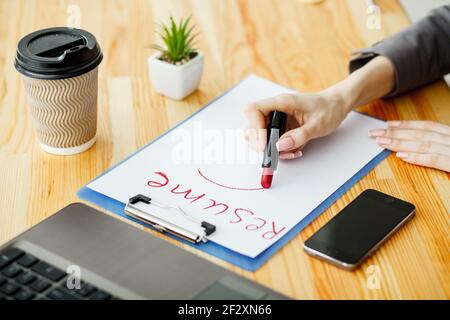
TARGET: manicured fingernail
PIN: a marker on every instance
(394, 123)
(377, 133)
(285, 144)
(402, 155)
(287, 156)
(383, 140)
(298, 154)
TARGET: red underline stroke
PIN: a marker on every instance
(227, 187)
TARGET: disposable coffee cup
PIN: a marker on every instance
(59, 70)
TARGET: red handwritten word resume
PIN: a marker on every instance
(205, 166)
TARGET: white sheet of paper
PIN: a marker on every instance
(247, 221)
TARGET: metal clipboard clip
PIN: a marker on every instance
(194, 235)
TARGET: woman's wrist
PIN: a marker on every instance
(373, 81)
(345, 93)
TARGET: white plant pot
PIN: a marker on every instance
(176, 82)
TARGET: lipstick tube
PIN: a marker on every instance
(275, 129)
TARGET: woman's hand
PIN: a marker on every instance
(314, 115)
(311, 115)
(423, 143)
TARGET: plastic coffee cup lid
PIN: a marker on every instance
(57, 53)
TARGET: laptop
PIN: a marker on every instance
(81, 253)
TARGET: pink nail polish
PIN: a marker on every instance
(393, 124)
(287, 156)
(285, 144)
(402, 155)
(377, 133)
(298, 154)
(383, 140)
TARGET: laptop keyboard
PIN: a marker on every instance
(25, 277)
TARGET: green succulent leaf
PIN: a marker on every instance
(178, 40)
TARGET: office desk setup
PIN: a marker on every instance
(285, 43)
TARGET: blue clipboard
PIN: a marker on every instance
(240, 260)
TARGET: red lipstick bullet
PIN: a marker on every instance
(266, 178)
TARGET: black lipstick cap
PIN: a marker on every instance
(277, 121)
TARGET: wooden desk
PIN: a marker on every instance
(306, 47)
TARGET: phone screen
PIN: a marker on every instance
(360, 226)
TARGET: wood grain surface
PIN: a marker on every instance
(306, 47)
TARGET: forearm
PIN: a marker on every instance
(374, 80)
(419, 54)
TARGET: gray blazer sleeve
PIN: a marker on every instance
(420, 54)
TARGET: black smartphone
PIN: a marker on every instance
(360, 228)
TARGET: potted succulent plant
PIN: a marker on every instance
(177, 67)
